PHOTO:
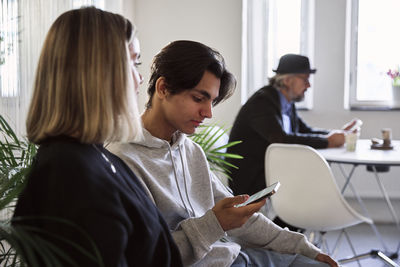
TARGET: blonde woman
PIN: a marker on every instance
(85, 95)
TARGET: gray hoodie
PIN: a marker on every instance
(178, 179)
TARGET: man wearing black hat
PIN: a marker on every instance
(269, 116)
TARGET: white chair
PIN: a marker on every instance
(309, 197)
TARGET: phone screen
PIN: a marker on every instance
(266, 192)
(356, 125)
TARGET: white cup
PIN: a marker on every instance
(351, 141)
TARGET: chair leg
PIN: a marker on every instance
(336, 247)
(351, 246)
(372, 253)
(319, 240)
(324, 243)
(311, 237)
(355, 258)
(386, 259)
(337, 243)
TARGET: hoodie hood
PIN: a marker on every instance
(173, 157)
(150, 141)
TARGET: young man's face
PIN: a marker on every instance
(187, 110)
(297, 85)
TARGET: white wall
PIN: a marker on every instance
(217, 23)
(328, 111)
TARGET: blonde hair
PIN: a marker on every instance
(84, 87)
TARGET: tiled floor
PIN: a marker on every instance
(364, 240)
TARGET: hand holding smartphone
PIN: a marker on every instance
(266, 192)
(356, 126)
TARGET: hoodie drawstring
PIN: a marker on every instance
(184, 179)
(176, 180)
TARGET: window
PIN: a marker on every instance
(9, 44)
(23, 27)
(272, 29)
(24, 24)
(372, 45)
(9, 49)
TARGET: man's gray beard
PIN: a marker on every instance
(299, 98)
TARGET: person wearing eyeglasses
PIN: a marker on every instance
(270, 116)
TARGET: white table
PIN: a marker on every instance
(364, 155)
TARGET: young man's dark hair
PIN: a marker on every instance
(183, 63)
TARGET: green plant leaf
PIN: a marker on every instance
(10, 189)
(207, 136)
(16, 155)
(32, 244)
(220, 162)
(226, 155)
(233, 143)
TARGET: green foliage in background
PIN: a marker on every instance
(207, 136)
(16, 157)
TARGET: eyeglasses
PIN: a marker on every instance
(306, 80)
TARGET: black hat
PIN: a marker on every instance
(292, 63)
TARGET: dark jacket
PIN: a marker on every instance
(259, 124)
(75, 182)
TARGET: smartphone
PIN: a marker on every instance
(266, 192)
(356, 125)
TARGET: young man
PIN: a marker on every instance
(187, 79)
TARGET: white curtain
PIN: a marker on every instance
(24, 25)
(272, 28)
(255, 47)
(9, 47)
(36, 18)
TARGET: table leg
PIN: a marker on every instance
(389, 204)
(348, 177)
(361, 202)
(387, 199)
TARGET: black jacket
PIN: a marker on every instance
(73, 181)
(259, 124)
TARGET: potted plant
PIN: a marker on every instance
(395, 77)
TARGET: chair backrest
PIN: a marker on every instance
(309, 196)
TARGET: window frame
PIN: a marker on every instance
(11, 71)
(350, 76)
(255, 41)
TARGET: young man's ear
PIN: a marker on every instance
(161, 88)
